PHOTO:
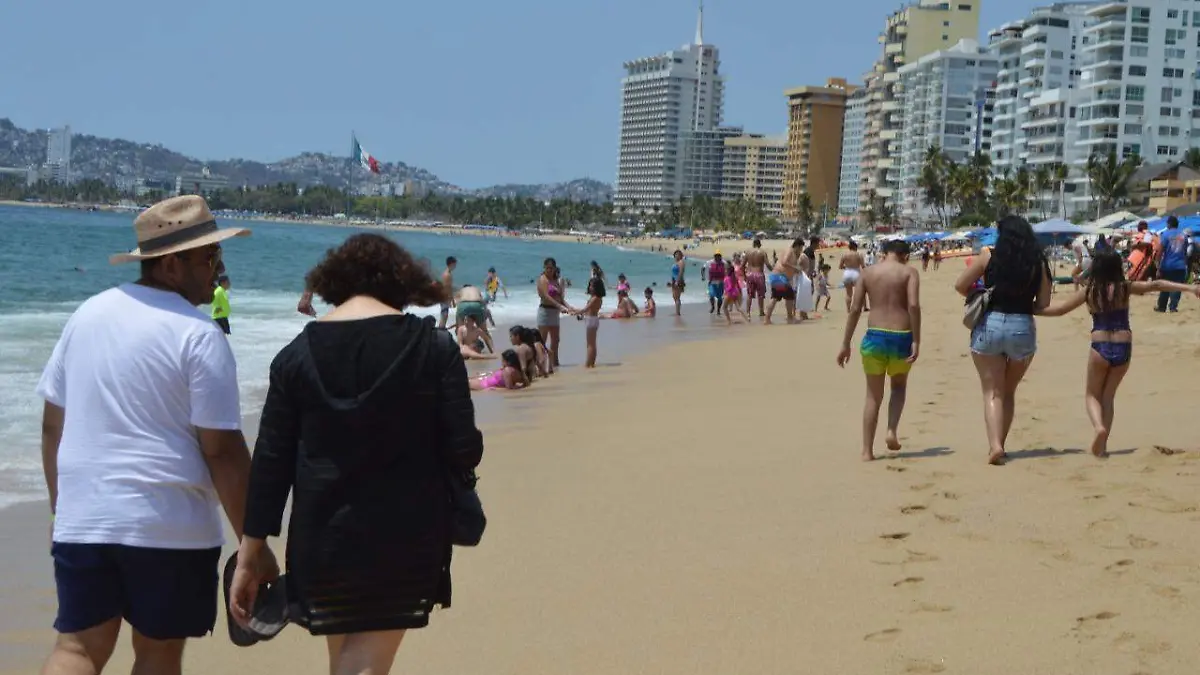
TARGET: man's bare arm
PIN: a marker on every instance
(914, 305)
(856, 308)
(52, 428)
(228, 461)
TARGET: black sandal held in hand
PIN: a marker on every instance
(270, 613)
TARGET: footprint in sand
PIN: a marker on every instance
(1112, 533)
(924, 667)
(930, 608)
(910, 558)
(1168, 592)
(1102, 616)
(886, 635)
(950, 495)
(920, 487)
(1094, 497)
(941, 474)
(896, 536)
(1165, 505)
(908, 581)
(1120, 566)
(911, 509)
(944, 518)
(897, 469)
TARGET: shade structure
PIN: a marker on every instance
(1060, 227)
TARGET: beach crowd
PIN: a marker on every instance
(369, 429)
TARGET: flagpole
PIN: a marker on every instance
(350, 190)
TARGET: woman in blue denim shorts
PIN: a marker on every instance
(1005, 340)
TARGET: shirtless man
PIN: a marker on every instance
(448, 284)
(756, 277)
(780, 281)
(892, 343)
(851, 266)
(471, 339)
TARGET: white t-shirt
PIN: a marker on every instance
(138, 370)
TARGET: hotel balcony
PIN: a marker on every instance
(1102, 40)
(1033, 48)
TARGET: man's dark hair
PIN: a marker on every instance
(853, 246)
(814, 241)
(799, 243)
(222, 279)
(451, 261)
(897, 246)
(1172, 222)
(757, 243)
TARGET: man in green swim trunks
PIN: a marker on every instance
(892, 342)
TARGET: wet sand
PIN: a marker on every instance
(702, 509)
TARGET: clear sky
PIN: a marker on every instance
(477, 91)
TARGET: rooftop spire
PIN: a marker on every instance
(700, 25)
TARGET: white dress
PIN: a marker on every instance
(804, 294)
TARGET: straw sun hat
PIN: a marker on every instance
(175, 225)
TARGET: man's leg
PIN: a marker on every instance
(896, 409)
(1178, 276)
(171, 595)
(157, 657)
(870, 420)
(85, 652)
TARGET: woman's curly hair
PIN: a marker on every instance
(374, 265)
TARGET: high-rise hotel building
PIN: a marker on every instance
(816, 117)
(911, 32)
(664, 99)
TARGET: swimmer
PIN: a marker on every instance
(714, 272)
(678, 283)
(733, 294)
(472, 339)
(892, 342)
(507, 377)
(1106, 294)
(756, 277)
(626, 308)
(651, 309)
(590, 313)
(492, 283)
(552, 305)
(851, 266)
(622, 283)
(448, 286)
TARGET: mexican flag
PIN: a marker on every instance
(364, 158)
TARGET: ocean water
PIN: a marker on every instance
(53, 259)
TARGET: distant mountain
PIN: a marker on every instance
(110, 159)
(579, 190)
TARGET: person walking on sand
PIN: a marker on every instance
(678, 284)
(141, 448)
(781, 284)
(1004, 341)
(1172, 259)
(368, 420)
(823, 285)
(552, 305)
(1106, 294)
(892, 343)
(220, 304)
(756, 277)
(805, 273)
(1141, 253)
(733, 295)
(851, 266)
(448, 287)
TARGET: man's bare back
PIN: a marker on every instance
(756, 261)
(887, 286)
(852, 261)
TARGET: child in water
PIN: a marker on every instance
(651, 306)
(507, 377)
(1106, 293)
(823, 286)
(622, 283)
(733, 294)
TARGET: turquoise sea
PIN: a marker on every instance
(53, 259)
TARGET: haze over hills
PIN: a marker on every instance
(110, 159)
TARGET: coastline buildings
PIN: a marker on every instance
(853, 128)
(58, 155)
(202, 183)
(1138, 87)
(1038, 93)
(704, 153)
(909, 33)
(753, 168)
(816, 117)
(945, 103)
(664, 99)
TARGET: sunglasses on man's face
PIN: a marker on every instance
(210, 257)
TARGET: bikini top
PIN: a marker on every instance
(1111, 321)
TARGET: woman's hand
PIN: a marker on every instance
(256, 565)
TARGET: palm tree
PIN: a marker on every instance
(932, 180)
(1191, 158)
(1043, 181)
(1061, 172)
(804, 210)
(1109, 178)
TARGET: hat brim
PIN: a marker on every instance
(206, 240)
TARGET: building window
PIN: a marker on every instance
(964, 8)
(1140, 15)
(945, 38)
(1135, 110)
(1135, 92)
(1173, 72)
(1136, 51)
(1131, 149)
(1172, 14)
(1139, 34)
(1137, 71)
(1133, 129)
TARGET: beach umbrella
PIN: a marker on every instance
(1058, 226)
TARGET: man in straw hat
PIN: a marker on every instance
(141, 446)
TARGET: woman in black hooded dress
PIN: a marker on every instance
(367, 411)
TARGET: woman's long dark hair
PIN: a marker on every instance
(1107, 288)
(1017, 260)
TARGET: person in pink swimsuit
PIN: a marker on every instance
(508, 377)
(733, 294)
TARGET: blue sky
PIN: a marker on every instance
(477, 91)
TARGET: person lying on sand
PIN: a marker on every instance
(507, 377)
(892, 342)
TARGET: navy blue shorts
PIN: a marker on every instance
(165, 594)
